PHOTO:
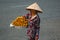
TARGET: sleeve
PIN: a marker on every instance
(26, 16)
(37, 33)
(38, 28)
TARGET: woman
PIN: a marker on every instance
(34, 21)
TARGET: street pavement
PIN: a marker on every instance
(50, 19)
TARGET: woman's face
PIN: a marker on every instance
(33, 11)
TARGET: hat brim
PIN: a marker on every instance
(35, 10)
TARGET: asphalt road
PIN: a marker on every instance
(50, 19)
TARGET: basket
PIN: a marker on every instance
(20, 21)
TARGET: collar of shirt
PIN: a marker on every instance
(33, 17)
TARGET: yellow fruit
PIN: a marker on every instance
(20, 21)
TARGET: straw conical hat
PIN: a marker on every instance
(34, 6)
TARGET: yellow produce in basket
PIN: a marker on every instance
(20, 21)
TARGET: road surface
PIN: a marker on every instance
(50, 19)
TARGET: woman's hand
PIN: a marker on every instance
(36, 38)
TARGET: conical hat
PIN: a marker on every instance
(34, 6)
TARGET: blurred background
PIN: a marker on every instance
(50, 19)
